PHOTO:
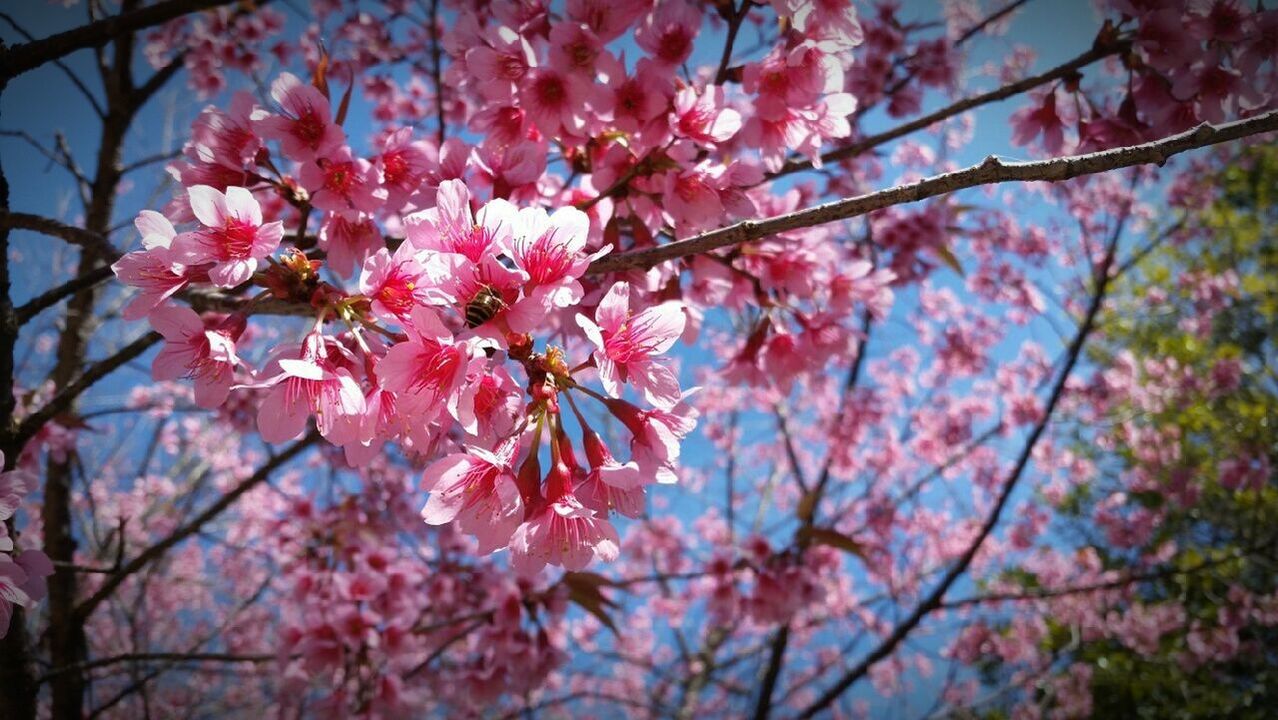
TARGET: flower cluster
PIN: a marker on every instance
(425, 349)
(22, 571)
(1188, 62)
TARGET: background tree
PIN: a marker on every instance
(1179, 435)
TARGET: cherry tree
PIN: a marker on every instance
(633, 357)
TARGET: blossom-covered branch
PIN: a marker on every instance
(992, 170)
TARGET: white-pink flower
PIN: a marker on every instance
(427, 372)
(704, 118)
(626, 345)
(549, 249)
(305, 128)
(233, 238)
(312, 383)
(193, 350)
(562, 532)
(477, 489)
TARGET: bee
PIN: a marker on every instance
(483, 307)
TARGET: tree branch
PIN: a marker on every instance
(28, 56)
(175, 657)
(992, 171)
(52, 297)
(52, 228)
(31, 424)
(75, 79)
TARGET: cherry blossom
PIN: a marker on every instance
(233, 237)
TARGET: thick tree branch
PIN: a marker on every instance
(990, 172)
(156, 551)
(52, 228)
(75, 79)
(31, 424)
(28, 56)
(52, 297)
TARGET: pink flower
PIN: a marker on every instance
(704, 118)
(349, 238)
(511, 170)
(655, 436)
(575, 49)
(233, 237)
(37, 567)
(193, 350)
(341, 182)
(830, 20)
(498, 403)
(497, 68)
(548, 249)
(668, 32)
(14, 485)
(428, 370)
(1217, 91)
(395, 283)
(561, 532)
(22, 582)
(558, 104)
(225, 139)
(692, 199)
(155, 229)
(404, 166)
(774, 135)
(154, 275)
(152, 271)
(640, 100)
(486, 295)
(610, 485)
(305, 129)
(477, 489)
(626, 345)
(608, 19)
(311, 383)
(451, 228)
(12, 579)
(780, 126)
(1029, 122)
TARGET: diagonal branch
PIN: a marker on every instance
(48, 226)
(32, 423)
(28, 56)
(53, 296)
(75, 79)
(935, 600)
(991, 171)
